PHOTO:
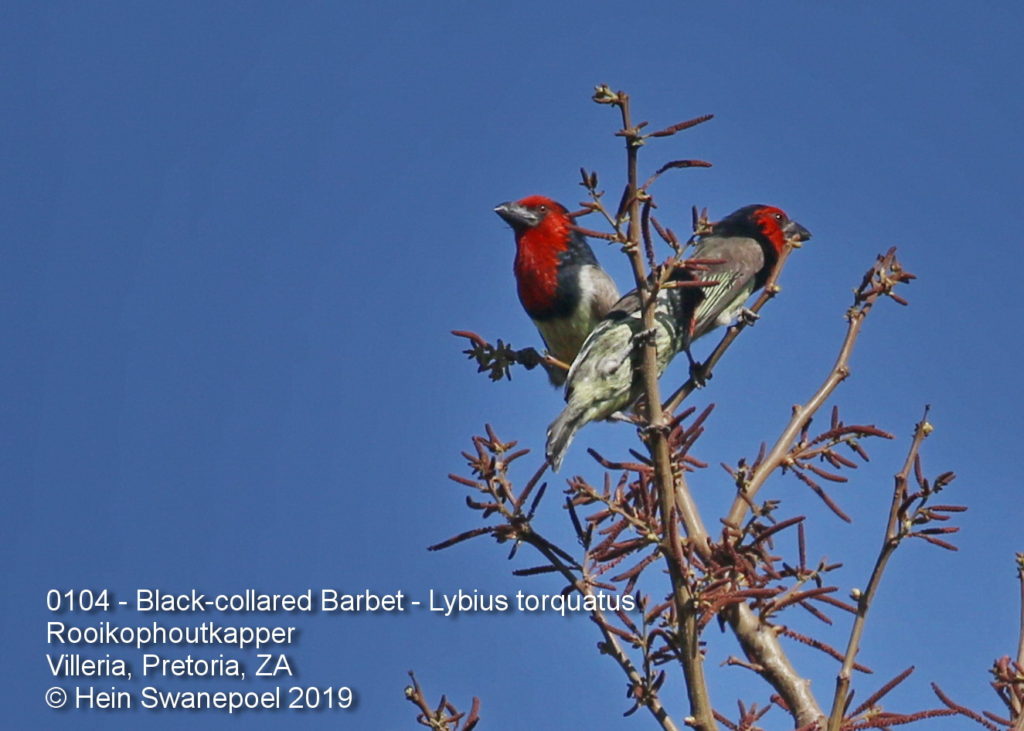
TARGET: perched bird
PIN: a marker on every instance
(606, 375)
(560, 284)
(749, 242)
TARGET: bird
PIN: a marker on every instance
(560, 284)
(606, 376)
(749, 242)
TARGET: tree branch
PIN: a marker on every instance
(668, 491)
(879, 281)
(893, 535)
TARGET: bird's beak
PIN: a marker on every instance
(517, 216)
(795, 232)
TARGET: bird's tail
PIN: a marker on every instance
(560, 434)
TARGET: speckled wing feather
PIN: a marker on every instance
(735, 279)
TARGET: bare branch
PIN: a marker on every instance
(878, 281)
(445, 717)
(898, 527)
(497, 360)
(670, 493)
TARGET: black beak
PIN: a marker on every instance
(795, 232)
(517, 216)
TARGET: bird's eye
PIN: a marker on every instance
(542, 208)
(779, 217)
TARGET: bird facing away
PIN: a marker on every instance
(606, 375)
(560, 284)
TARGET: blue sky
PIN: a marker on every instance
(237, 235)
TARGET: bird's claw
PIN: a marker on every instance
(748, 317)
(621, 416)
(645, 335)
(646, 429)
(529, 358)
(699, 374)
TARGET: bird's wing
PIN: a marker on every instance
(735, 277)
(628, 304)
(604, 293)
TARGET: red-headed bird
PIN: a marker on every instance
(606, 375)
(749, 241)
(560, 284)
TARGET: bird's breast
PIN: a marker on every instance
(536, 271)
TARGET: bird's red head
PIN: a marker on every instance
(539, 218)
(768, 223)
(544, 237)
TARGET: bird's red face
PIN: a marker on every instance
(769, 221)
(537, 217)
(543, 230)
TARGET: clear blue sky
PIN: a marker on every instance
(236, 236)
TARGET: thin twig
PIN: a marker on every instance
(612, 646)
(889, 545)
(1015, 699)
(1020, 579)
(803, 413)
